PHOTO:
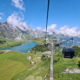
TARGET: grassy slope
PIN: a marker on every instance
(39, 40)
(16, 66)
(62, 65)
(12, 63)
(10, 42)
(38, 70)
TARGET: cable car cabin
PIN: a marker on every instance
(68, 52)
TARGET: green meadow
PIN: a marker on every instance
(18, 66)
(5, 42)
(61, 64)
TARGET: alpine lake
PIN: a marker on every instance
(24, 47)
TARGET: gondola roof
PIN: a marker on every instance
(68, 49)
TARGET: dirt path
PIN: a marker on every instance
(47, 52)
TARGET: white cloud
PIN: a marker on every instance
(19, 4)
(16, 20)
(1, 14)
(0, 18)
(69, 31)
(63, 30)
(39, 28)
(52, 27)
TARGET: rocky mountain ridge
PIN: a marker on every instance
(20, 32)
(23, 32)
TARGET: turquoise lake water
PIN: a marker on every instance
(24, 47)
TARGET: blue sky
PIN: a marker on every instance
(61, 13)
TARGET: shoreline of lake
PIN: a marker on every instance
(23, 48)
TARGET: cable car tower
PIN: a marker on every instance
(50, 43)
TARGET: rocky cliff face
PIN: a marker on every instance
(18, 33)
(39, 33)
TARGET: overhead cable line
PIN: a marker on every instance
(47, 18)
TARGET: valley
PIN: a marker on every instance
(40, 40)
(34, 65)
